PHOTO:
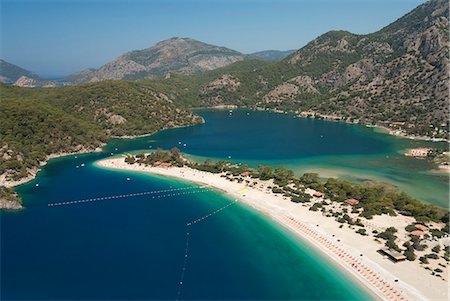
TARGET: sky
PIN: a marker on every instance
(57, 37)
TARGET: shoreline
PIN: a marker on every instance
(155, 132)
(381, 128)
(352, 253)
(33, 172)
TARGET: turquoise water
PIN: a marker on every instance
(337, 149)
(133, 248)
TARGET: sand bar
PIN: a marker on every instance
(355, 254)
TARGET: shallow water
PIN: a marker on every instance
(134, 248)
(352, 152)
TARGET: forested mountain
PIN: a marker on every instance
(178, 55)
(35, 123)
(399, 73)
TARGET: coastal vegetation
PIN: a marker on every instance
(9, 199)
(337, 76)
(35, 123)
(40, 122)
(351, 205)
(372, 198)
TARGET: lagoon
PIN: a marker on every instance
(133, 248)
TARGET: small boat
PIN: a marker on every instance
(82, 164)
(37, 185)
(128, 179)
(184, 145)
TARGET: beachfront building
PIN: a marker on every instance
(418, 152)
(318, 194)
(392, 254)
(352, 202)
(421, 227)
(417, 233)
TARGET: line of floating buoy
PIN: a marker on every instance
(200, 219)
(168, 193)
(186, 251)
(183, 270)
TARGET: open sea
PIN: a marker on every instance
(137, 248)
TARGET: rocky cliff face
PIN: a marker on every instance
(176, 55)
(27, 82)
(398, 73)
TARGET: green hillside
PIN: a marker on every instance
(35, 123)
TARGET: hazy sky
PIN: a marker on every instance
(58, 37)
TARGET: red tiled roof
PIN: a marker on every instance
(318, 194)
(421, 227)
(417, 233)
(246, 173)
(352, 201)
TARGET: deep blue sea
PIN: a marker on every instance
(134, 248)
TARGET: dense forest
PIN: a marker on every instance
(35, 123)
(397, 74)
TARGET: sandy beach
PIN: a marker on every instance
(355, 254)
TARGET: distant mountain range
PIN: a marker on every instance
(175, 55)
(397, 74)
(10, 73)
(272, 55)
(179, 55)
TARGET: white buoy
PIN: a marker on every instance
(128, 179)
(179, 142)
(37, 185)
(229, 157)
(184, 145)
(82, 164)
(77, 166)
